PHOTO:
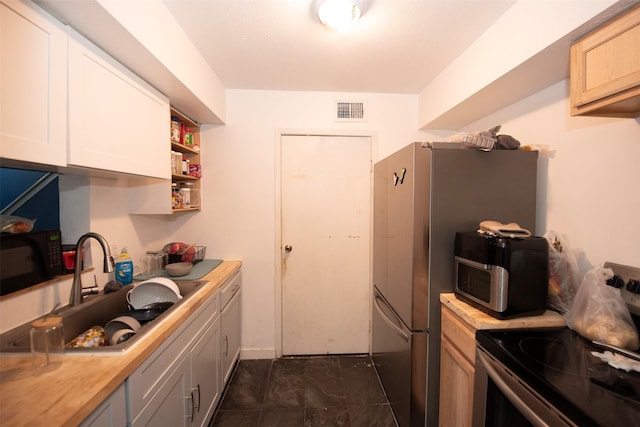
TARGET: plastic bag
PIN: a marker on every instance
(15, 224)
(599, 313)
(564, 275)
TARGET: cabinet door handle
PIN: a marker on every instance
(198, 397)
(196, 405)
(226, 345)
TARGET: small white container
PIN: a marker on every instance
(174, 163)
(185, 193)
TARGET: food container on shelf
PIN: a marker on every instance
(188, 137)
(190, 194)
(176, 163)
(177, 159)
(175, 129)
(176, 197)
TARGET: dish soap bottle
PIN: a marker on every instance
(124, 267)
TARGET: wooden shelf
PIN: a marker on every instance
(195, 208)
(184, 149)
(184, 178)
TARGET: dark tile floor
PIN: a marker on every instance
(304, 391)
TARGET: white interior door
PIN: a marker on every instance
(326, 198)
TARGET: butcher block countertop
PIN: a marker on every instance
(70, 393)
(481, 320)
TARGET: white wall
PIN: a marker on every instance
(589, 185)
(238, 219)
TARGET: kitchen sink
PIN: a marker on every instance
(96, 310)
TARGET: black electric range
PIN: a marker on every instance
(557, 365)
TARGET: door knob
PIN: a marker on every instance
(288, 248)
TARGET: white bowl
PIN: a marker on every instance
(158, 289)
(121, 322)
(178, 268)
(121, 335)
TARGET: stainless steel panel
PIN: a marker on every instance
(401, 190)
(380, 221)
(402, 233)
(400, 359)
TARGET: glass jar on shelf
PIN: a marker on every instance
(190, 194)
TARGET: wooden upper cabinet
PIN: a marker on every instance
(605, 69)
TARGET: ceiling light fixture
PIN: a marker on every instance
(339, 14)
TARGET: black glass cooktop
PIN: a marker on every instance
(558, 364)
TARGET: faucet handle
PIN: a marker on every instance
(92, 290)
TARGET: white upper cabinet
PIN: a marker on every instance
(117, 122)
(33, 86)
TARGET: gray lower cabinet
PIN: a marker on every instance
(205, 388)
(178, 385)
(169, 406)
(111, 413)
(230, 325)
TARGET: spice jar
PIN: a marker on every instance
(176, 197)
(185, 165)
(188, 137)
(175, 129)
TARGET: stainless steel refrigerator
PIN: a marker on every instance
(423, 194)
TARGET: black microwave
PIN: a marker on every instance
(29, 258)
(503, 277)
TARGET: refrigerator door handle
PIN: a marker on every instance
(395, 323)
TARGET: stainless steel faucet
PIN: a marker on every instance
(76, 288)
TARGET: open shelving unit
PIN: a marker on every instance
(192, 154)
(155, 196)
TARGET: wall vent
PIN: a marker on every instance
(351, 111)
